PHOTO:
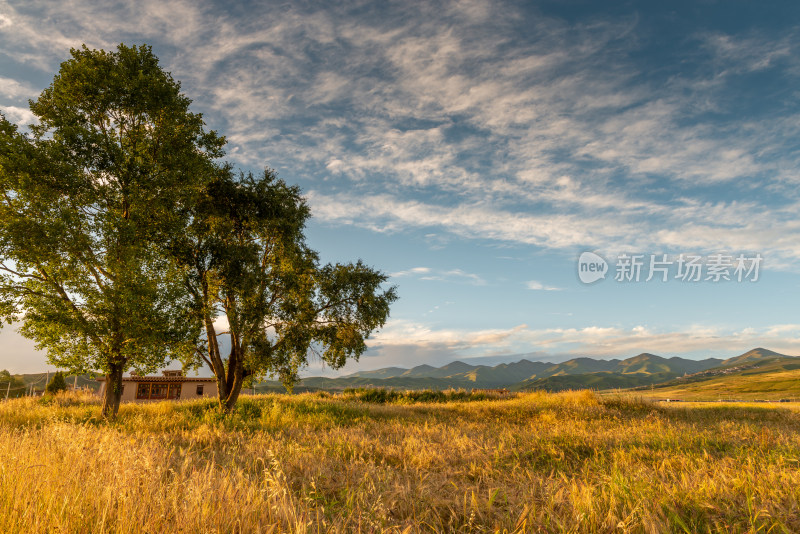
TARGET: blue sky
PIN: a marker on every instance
(474, 149)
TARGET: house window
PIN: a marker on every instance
(143, 391)
(158, 391)
(200, 389)
(174, 391)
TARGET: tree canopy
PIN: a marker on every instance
(87, 204)
(123, 240)
(246, 259)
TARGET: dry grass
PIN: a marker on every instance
(565, 462)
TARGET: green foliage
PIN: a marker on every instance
(390, 396)
(245, 256)
(121, 240)
(86, 206)
(56, 384)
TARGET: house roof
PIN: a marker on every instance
(162, 379)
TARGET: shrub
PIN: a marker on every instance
(56, 384)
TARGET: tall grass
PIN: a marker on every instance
(321, 463)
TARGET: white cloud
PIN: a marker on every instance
(17, 115)
(594, 341)
(557, 140)
(534, 285)
(14, 89)
(403, 332)
(746, 53)
(412, 271)
(732, 227)
(451, 275)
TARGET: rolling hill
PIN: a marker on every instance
(754, 355)
(597, 381)
(642, 370)
(759, 374)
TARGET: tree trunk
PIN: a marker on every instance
(222, 391)
(231, 385)
(228, 395)
(229, 402)
(113, 392)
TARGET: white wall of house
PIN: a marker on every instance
(189, 389)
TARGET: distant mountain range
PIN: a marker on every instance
(642, 370)
(676, 375)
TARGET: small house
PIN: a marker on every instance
(172, 385)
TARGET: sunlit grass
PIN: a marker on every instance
(322, 463)
(755, 384)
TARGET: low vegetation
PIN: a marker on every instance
(380, 395)
(768, 380)
(362, 462)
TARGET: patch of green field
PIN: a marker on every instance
(772, 381)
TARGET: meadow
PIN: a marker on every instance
(753, 384)
(365, 462)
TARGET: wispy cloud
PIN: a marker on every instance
(597, 341)
(17, 115)
(411, 100)
(15, 89)
(737, 54)
(535, 285)
(447, 275)
(687, 225)
(410, 272)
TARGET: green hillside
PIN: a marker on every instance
(754, 355)
(652, 364)
(643, 369)
(398, 382)
(596, 381)
(580, 366)
(504, 374)
(773, 377)
(386, 372)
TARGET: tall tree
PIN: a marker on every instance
(247, 261)
(87, 204)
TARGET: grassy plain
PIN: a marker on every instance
(566, 462)
(768, 383)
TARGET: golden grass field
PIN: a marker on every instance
(752, 385)
(568, 462)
